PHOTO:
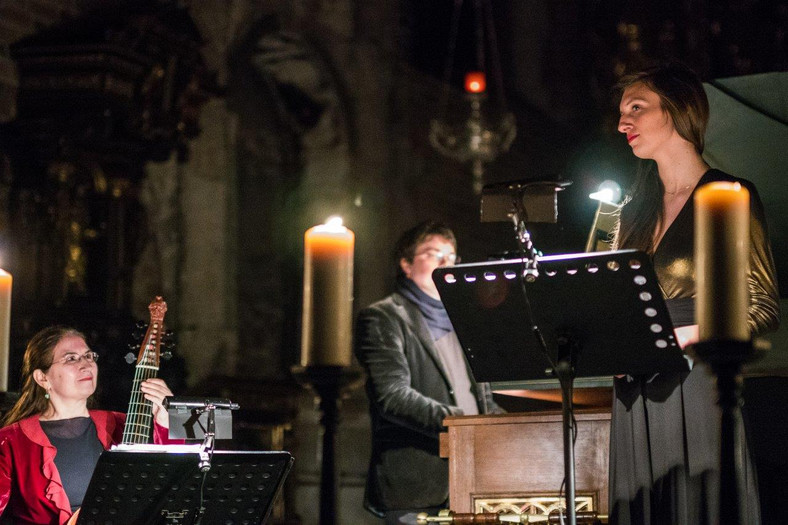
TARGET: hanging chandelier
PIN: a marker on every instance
(488, 128)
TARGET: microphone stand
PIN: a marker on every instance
(209, 440)
(198, 406)
(526, 247)
(564, 369)
(206, 452)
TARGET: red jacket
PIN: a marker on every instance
(30, 484)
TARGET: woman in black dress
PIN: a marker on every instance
(664, 457)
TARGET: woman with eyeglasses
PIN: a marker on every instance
(52, 439)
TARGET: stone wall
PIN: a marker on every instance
(301, 132)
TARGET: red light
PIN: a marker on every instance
(475, 82)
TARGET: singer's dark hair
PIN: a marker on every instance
(410, 240)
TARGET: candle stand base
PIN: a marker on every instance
(329, 383)
(726, 358)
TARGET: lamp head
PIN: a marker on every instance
(609, 191)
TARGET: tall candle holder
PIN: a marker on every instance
(326, 339)
(726, 358)
(330, 383)
(722, 242)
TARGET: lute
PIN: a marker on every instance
(140, 414)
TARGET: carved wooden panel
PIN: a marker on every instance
(520, 456)
(533, 505)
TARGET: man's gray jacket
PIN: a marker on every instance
(410, 395)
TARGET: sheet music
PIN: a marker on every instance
(154, 447)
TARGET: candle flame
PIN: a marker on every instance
(335, 221)
(333, 225)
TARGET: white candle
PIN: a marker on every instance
(6, 282)
(327, 316)
(722, 245)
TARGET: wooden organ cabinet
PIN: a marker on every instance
(514, 463)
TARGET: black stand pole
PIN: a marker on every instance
(209, 441)
(328, 382)
(726, 358)
(329, 406)
(565, 373)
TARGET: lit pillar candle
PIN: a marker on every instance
(5, 326)
(722, 245)
(328, 295)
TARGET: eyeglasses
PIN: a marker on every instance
(440, 257)
(73, 358)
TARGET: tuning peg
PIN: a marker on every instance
(166, 355)
(130, 358)
(168, 340)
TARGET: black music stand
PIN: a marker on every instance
(158, 488)
(598, 314)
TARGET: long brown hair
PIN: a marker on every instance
(683, 98)
(38, 355)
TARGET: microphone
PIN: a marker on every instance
(172, 402)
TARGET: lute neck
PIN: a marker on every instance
(140, 413)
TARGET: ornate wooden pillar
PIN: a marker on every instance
(97, 98)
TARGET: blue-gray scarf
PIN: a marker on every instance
(431, 309)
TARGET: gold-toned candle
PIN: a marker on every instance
(722, 246)
(6, 282)
(327, 317)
